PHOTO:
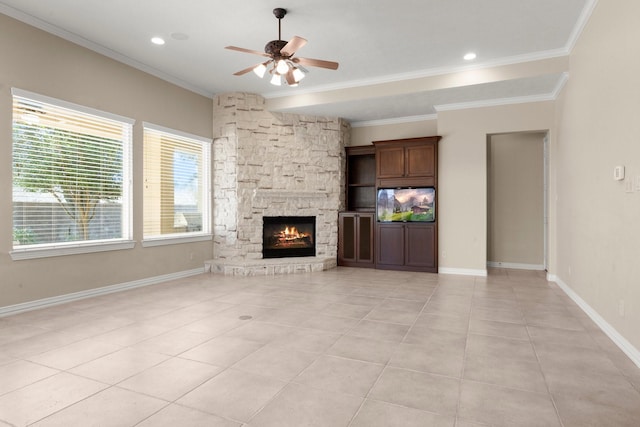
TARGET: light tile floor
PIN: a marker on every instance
(345, 347)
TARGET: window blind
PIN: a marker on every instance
(70, 173)
(176, 183)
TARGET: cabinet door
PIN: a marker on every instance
(347, 238)
(390, 162)
(355, 239)
(420, 245)
(364, 233)
(390, 246)
(420, 161)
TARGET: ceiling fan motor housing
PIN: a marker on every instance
(273, 47)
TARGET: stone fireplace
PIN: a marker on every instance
(268, 164)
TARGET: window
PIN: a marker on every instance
(71, 178)
(176, 186)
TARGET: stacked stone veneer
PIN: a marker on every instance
(272, 164)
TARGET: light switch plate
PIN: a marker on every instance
(628, 185)
(618, 173)
(637, 182)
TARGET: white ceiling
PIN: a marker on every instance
(397, 59)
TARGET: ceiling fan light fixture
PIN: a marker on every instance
(282, 67)
(260, 69)
(276, 80)
(298, 74)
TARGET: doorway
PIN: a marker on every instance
(516, 195)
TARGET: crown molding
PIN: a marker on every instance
(81, 41)
(394, 121)
(395, 78)
(564, 78)
(583, 19)
(494, 102)
(552, 96)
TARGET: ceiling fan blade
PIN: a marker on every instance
(245, 71)
(291, 81)
(316, 63)
(293, 45)
(241, 49)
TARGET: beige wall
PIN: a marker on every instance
(365, 135)
(515, 227)
(39, 62)
(462, 176)
(462, 172)
(599, 128)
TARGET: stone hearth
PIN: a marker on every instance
(273, 164)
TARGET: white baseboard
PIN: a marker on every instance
(628, 348)
(462, 271)
(515, 266)
(62, 299)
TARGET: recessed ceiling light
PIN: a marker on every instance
(469, 56)
(157, 40)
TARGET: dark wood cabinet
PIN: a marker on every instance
(406, 162)
(365, 242)
(406, 246)
(355, 242)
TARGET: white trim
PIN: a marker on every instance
(624, 345)
(174, 132)
(431, 72)
(80, 41)
(495, 102)
(71, 106)
(515, 266)
(582, 22)
(395, 120)
(545, 200)
(62, 299)
(167, 240)
(462, 271)
(52, 250)
(560, 85)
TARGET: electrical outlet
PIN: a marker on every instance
(637, 182)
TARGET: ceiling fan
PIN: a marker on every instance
(281, 62)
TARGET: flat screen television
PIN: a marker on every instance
(406, 204)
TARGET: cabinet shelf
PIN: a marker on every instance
(361, 178)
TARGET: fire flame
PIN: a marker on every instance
(292, 233)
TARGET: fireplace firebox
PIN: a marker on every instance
(288, 236)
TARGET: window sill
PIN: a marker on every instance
(69, 249)
(174, 240)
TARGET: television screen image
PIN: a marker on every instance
(406, 204)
